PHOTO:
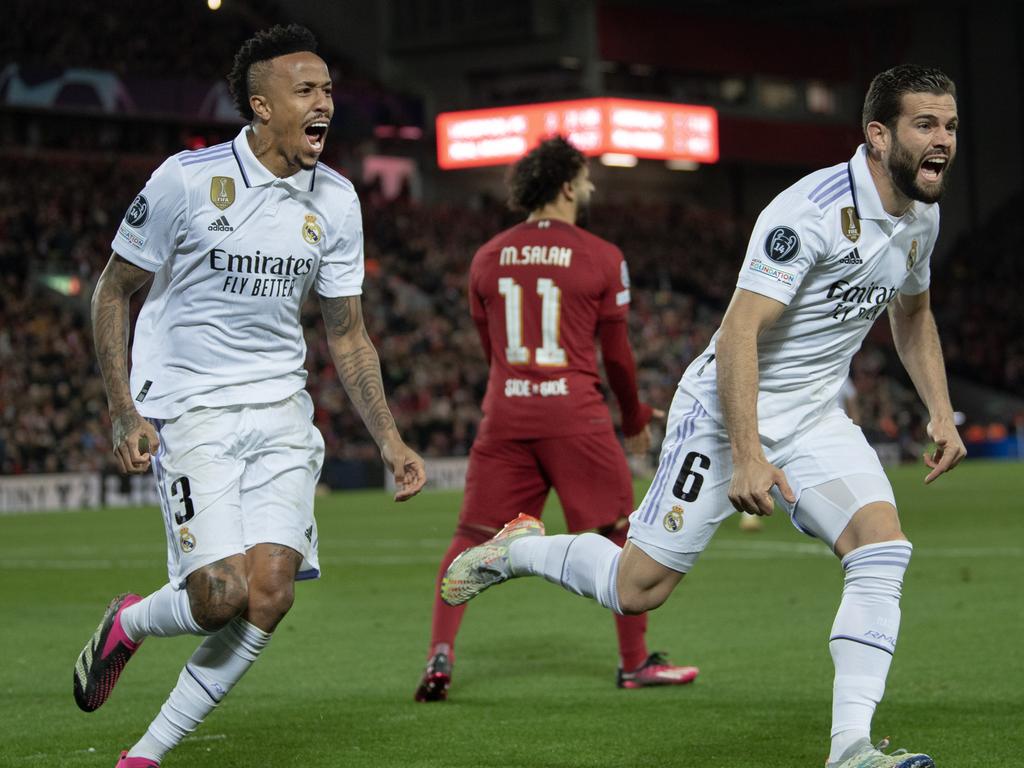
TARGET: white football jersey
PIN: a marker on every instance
(826, 249)
(234, 251)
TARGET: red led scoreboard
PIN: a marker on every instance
(651, 129)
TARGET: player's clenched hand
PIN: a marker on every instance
(949, 448)
(640, 443)
(752, 481)
(135, 442)
(407, 467)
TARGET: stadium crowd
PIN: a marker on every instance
(51, 396)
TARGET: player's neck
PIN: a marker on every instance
(263, 149)
(557, 211)
(894, 202)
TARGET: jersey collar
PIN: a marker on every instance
(865, 195)
(255, 174)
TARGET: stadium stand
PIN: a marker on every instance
(51, 398)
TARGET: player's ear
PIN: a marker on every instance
(878, 137)
(260, 107)
(569, 191)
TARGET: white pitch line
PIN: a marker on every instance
(722, 550)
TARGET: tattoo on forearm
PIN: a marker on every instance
(357, 363)
(338, 315)
(110, 329)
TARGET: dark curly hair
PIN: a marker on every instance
(884, 99)
(536, 178)
(263, 46)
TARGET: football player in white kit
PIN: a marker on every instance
(755, 416)
(233, 238)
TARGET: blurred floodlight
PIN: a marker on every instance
(213, 5)
(618, 160)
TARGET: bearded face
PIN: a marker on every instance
(923, 146)
(920, 176)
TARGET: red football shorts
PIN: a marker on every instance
(588, 472)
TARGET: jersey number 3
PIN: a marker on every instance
(188, 511)
(549, 353)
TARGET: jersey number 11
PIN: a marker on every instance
(549, 353)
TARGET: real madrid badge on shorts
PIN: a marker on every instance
(673, 520)
(312, 232)
(188, 541)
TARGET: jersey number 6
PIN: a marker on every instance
(549, 353)
(688, 476)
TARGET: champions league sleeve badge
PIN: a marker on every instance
(782, 245)
(138, 212)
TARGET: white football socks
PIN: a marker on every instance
(165, 613)
(586, 565)
(864, 637)
(217, 664)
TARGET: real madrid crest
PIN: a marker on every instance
(912, 256)
(222, 191)
(850, 224)
(311, 231)
(673, 520)
(188, 541)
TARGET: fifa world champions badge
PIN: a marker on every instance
(851, 224)
(222, 191)
(312, 233)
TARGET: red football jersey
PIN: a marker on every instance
(542, 287)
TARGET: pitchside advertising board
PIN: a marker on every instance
(72, 491)
(649, 129)
(75, 491)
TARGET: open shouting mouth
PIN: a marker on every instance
(316, 132)
(932, 168)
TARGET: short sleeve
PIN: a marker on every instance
(341, 268)
(920, 274)
(615, 301)
(156, 221)
(785, 244)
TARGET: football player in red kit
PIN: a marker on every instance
(540, 294)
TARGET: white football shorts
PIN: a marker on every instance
(688, 498)
(233, 477)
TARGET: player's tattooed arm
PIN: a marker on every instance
(110, 317)
(358, 365)
(359, 370)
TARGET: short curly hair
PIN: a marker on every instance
(536, 178)
(264, 46)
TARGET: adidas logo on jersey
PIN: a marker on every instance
(852, 258)
(221, 225)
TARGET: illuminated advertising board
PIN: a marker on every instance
(651, 129)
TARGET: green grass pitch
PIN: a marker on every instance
(534, 681)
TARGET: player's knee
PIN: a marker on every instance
(269, 603)
(635, 601)
(875, 523)
(217, 594)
